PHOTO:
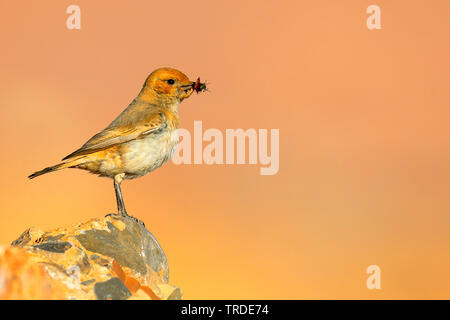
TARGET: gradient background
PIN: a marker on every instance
(364, 138)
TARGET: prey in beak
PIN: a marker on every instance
(199, 86)
(196, 86)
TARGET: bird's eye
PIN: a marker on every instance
(170, 81)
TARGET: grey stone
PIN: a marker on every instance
(113, 289)
(134, 247)
(54, 246)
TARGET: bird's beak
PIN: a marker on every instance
(188, 86)
(187, 90)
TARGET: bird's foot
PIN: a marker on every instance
(137, 220)
(114, 215)
(120, 215)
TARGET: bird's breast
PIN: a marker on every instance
(142, 156)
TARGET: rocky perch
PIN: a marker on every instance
(108, 258)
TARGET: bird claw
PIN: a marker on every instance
(126, 216)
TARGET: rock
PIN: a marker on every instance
(113, 257)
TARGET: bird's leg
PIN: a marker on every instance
(120, 205)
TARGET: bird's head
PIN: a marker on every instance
(167, 85)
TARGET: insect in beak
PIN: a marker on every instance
(199, 86)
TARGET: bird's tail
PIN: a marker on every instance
(62, 165)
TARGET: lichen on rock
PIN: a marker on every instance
(113, 257)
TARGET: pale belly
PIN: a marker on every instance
(135, 158)
(142, 156)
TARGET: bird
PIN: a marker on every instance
(141, 139)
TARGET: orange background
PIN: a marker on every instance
(364, 138)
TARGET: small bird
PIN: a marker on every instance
(141, 139)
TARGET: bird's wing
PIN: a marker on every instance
(115, 135)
